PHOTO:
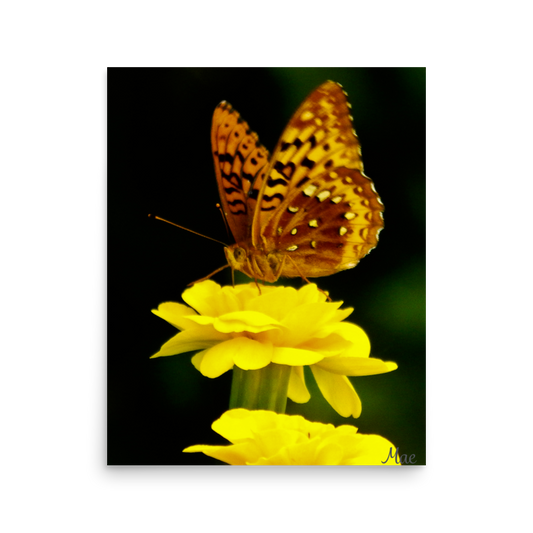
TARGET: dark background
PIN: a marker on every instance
(160, 162)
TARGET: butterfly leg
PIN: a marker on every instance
(258, 286)
(305, 279)
(210, 275)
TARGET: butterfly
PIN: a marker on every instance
(307, 210)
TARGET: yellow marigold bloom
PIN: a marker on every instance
(282, 325)
(268, 438)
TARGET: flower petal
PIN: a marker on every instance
(239, 424)
(311, 294)
(371, 450)
(295, 356)
(175, 314)
(197, 360)
(341, 314)
(331, 453)
(331, 345)
(270, 441)
(274, 303)
(238, 454)
(339, 392)
(303, 321)
(240, 321)
(350, 332)
(217, 360)
(249, 354)
(210, 299)
(202, 297)
(200, 320)
(356, 366)
(297, 389)
(191, 340)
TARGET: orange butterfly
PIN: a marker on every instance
(308, 210)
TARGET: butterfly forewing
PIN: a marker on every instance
(240, 161)
(316, 204)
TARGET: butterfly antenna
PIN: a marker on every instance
(187, 229)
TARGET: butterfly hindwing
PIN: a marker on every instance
(316, 203)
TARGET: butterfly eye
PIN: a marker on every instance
(239, 254)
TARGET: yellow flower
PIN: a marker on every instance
(282, 325)
(268, 438)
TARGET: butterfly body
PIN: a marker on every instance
(256, 263)
(308, 210)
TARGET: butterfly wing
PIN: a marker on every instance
(316, 204)
(240, 162)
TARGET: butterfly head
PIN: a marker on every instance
(255, 263)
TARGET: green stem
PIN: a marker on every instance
(265, 388)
